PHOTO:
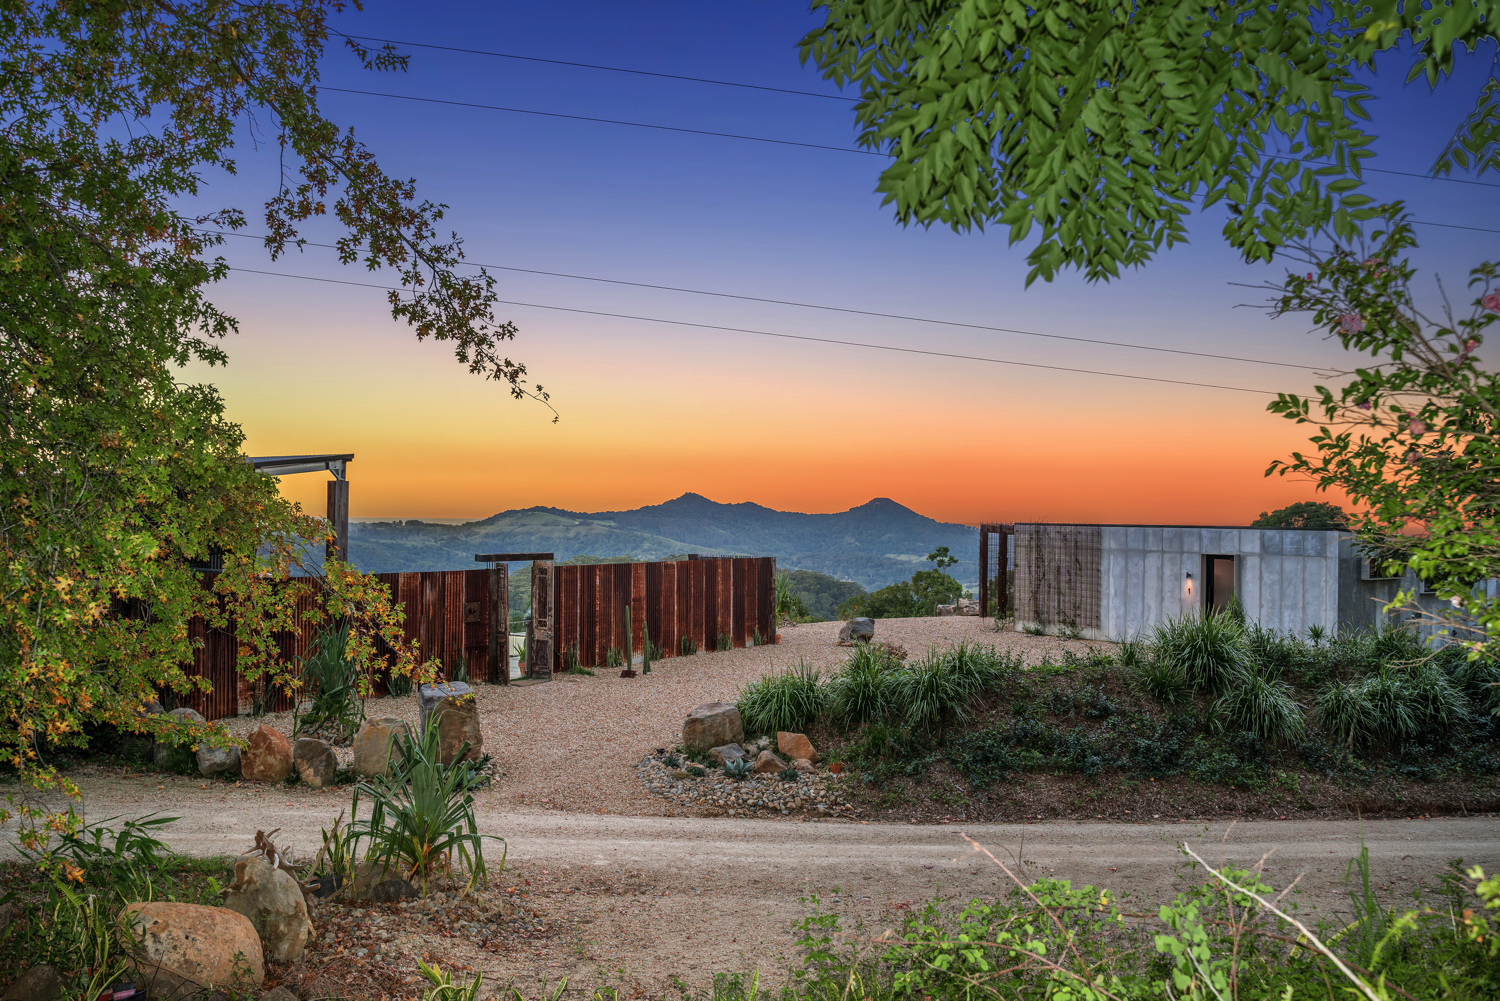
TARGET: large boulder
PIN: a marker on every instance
(218, 760)
(456, 710)
(183, 949)
(712, 725)
(373, 744)
(794, 746)
(316, 763)
(859, 630)
(274, 905)
(169, 755)
(40, 983)
(969, 606)
(267, 756)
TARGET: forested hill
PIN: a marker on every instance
(874, 544)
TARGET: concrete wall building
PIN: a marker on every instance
(1122, 581)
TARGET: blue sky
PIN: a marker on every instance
(650, 411)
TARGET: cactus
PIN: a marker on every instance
(696, 772)
(687, 646)
(737, 768)
(787, 775)
(646, 650)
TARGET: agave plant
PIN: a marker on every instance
(422, 813)
(737, 768)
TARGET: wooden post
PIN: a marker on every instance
(984, 571)
(338, 520)
(1002, 576)
(499, 625)
(539, 646)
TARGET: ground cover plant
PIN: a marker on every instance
(1205, 715)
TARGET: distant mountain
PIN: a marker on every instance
(874, 544)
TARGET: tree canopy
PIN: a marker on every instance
(1304, 514)
(116, 477)
(1101, 123)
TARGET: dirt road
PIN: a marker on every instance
(658, 896)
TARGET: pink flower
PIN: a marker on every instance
(1365, 405)
(1417, 427)
(1412, 457)
(1491, 302)
(1351, 323)
(1309, 276)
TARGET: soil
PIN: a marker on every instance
(635, 901)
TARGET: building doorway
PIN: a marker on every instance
(1218, 576)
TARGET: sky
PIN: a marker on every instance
(650, 410)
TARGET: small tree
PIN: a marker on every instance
(1414, 433)
(1304, 514)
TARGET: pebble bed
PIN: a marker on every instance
(814, 793)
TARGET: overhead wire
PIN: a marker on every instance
(800, 337)
(858, 312)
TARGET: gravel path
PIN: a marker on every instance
(573, 743)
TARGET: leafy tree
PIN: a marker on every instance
(1304, 514)
(1414, 433)
(939, 557)
(1102, 123)
(820, 595)
(115, 477)
(919, 596)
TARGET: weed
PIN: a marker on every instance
(1034, 629)
(1070, 631)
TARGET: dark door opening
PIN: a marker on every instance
(1219, 579)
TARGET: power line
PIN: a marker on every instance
(1449, 225)
(612, 69)
(798, 337)
(860, 312)
(606, 121)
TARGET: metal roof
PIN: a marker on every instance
(285, 465)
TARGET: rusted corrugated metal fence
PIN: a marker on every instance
(728, 597)
(447, 611)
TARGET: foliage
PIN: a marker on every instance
(1410, 436)
(1261, 706)
(860, 690)
(1207, 649)
(919, 596)
(422, 816)
(1164, 682)
(335, 682)
(786, 602)
(1346, 711)
(687, 646)
(399, 685)
(1103, 124)
(737, 768)
(1304, 514)
(788, 775)
(941, 559)
(443, 988)
(785, 701)
(117, 477)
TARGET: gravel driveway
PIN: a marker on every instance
(572, 743)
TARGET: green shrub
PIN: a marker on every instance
(787, 700)
(1436, 704)
(333, 680)
(1390, 702)
(926, 695)
(1346, 712)
(859, 693)
(399, 685)
(1208, 649)
(1263, 707)
(1479, 679)
(1163, 682)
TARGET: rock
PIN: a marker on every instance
(388, 891)
(218, 760)
(968, 606)
(168, 755)
(895, 651)
(278, 994)
(859, 630)
(273, 903)
(768, 762)
(373, 743)
(712, 725)
(317, 766)
(184, 948)
(368, 875)
(943, 610)
(795, 745)
(803, 765)
(40, 983)
(267, 756)
(727, 753)
(429, 696)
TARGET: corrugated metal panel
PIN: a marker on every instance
(739, 599)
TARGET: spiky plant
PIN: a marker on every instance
(860, 691)
(1263, 707)
(1208, 649)
(785, 701)
(1391, 702)
(1346, 712)
(1435, 702)
(1163, 682)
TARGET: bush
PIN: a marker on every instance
(1388, 698)
(1163, 682)
(1437, 706)
(1346, 712)
(859, 693)
(1263, 707)
(1208, 649)
(333, 679)
(786, 700)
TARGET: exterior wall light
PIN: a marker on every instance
(1189, 584)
